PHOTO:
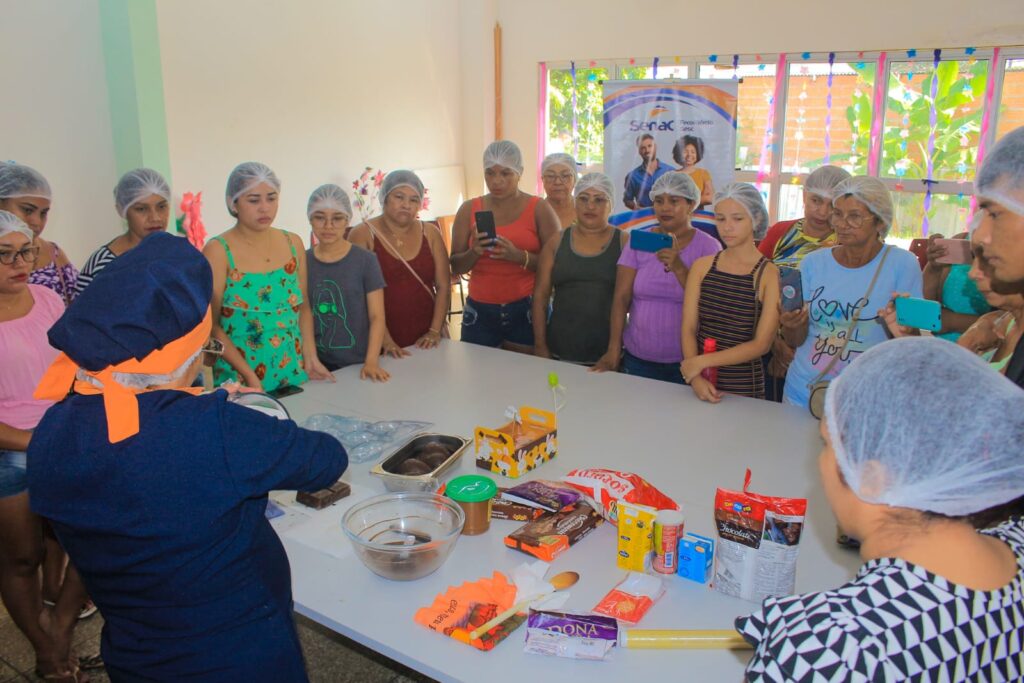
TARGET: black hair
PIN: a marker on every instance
(680, 147)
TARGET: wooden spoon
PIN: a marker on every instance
(560, 582)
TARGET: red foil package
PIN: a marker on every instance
(607, 487)
(759, 539)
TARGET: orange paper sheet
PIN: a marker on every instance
(459, 610)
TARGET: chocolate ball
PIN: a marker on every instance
(434, 458)
(414, 467)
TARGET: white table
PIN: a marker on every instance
(658, 430)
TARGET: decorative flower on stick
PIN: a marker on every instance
(190, 223)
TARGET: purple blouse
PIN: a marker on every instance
(61, 280)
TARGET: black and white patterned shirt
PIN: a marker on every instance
(894, 622)
(99, 260)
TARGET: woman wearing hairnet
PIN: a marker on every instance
(143, 199)
(1000, 191)
(498, 308)
(346, 289)
(580, 266)
(260, 305)
(414, 261)
(844, 287)
(26, 193)
(911, 473)
(787, 243)
(558, 175)
(27, 311)
(650, 287)
(733, 298)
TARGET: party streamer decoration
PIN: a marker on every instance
(735, 67)
(654, 68)
(876, 124)
(828, 109)
(933, 119)
(542, 118)
(773, 103)
(575, 119)
(990, 93)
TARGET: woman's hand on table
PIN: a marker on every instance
(691, 367)
(390, 348)
(374, 373)
(429, 340)
(609, 362)
(316, 370)
(541, 351)
(704, 390)
(252, 382)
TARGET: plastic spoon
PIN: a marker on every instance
(560, 582)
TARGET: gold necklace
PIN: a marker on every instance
(394, 233)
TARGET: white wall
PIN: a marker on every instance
(316, 89)
(55, 116)
(559, 30)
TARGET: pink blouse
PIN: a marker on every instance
(27, 354)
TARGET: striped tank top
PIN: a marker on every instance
(728, 312)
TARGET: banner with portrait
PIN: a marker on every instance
(657, 127)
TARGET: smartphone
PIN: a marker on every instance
(485, 224)
(644, 240)
(920, 313)
(791, 288)
(919, 248)
(285, 390)
(957, 251)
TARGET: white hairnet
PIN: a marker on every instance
(558, 159)
(400, 178)
(750, 199)
(504, 153)
(902, 436)
(246, 176)
(676, 185)
(870, 192)
(136, 185)
(329, 197)
(1001, 176)
(17, 180)
(595, 181)
(10, 223)
(823, 180)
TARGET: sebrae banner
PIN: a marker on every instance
(657, 127)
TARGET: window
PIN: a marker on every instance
(753, 102)
(924, 135)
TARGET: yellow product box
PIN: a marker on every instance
(636, 536)
(516, 448)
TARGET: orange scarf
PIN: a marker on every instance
(120, 402)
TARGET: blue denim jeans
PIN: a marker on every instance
(13, 473)
(666, 372)
(492, 324)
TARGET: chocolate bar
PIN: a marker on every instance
(502, 508)
(551, 535)
(318, 500)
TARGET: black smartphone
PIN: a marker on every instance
(285, 390)
(791, 289)
(485, 224)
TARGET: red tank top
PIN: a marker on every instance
(494, 281)
(408, 307)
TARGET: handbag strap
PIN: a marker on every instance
(854, 319)
(401, 260)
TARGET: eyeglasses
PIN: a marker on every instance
(214, 347)
(599, 200)
(563, 178)
(854, 220)
(27, 254)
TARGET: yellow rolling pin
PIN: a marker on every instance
(677, 639)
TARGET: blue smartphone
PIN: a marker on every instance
(920, 313)
(791, 289)
(644, 240)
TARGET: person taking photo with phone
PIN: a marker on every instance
(501, 265)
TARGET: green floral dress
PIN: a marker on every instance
(259, 312)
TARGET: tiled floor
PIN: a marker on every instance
(329, 657)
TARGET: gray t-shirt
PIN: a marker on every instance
(337, 297)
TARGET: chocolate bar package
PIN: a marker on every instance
(318, 500)
(503, 508)
(576, 636)
(551, 535)
(548, 495)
